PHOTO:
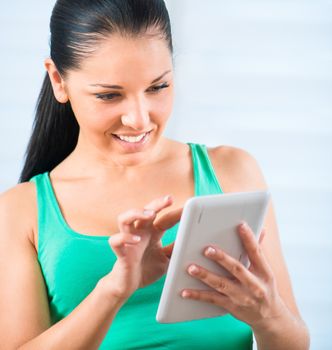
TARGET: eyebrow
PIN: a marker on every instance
(107, 86)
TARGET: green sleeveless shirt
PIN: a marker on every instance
(72, 263)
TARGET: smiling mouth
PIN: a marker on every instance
(132, 139)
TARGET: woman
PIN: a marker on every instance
(100, 196)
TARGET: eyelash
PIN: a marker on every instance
(111, 96)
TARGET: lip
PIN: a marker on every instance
(135, 146)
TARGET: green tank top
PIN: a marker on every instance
(72, 263)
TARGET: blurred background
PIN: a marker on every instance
(253, 74)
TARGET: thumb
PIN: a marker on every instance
(169, 219)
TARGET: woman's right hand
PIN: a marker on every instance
(140, 263)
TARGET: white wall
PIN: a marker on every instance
(254, 74)
(24, 45)
(258, 75)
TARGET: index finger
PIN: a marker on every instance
(160, 203)
(127, 219)
(154, 206)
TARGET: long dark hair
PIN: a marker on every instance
(77, 26)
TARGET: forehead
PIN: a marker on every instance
(118, 59)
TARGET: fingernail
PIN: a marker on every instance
(210, 251)
(185, 294)
(193, 269)
(243, 225)
(136, 238)
(148, 212)
(167, 198)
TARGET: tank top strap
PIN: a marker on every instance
(206, 181)
(48, 214)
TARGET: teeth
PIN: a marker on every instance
(131, 139)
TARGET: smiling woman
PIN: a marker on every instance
(102, 190)
(119, 104)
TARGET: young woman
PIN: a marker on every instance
(87, 235)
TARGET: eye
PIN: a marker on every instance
(107, 97)
(157, 88)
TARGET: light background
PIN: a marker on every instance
(253, 74)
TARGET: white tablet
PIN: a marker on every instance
(205, 220)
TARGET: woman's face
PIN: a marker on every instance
(122, 96)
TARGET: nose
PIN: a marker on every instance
(137, 115)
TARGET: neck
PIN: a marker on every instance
(88, 160)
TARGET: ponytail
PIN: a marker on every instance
(54, 134)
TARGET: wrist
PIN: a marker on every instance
(292, 336)
(274, 321)
(279, 331)
(106, 291)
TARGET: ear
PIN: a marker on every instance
(57, 82)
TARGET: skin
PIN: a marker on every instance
(147, 199)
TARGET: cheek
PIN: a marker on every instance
(97, 117)
(104, 115)
(162, 107)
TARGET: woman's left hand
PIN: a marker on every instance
(250, 295)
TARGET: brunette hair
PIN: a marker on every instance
(77, 27)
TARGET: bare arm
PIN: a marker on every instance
(84, 328)
(24, 318)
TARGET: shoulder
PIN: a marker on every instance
(236, 169)
(18, 196)
(18, 210)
